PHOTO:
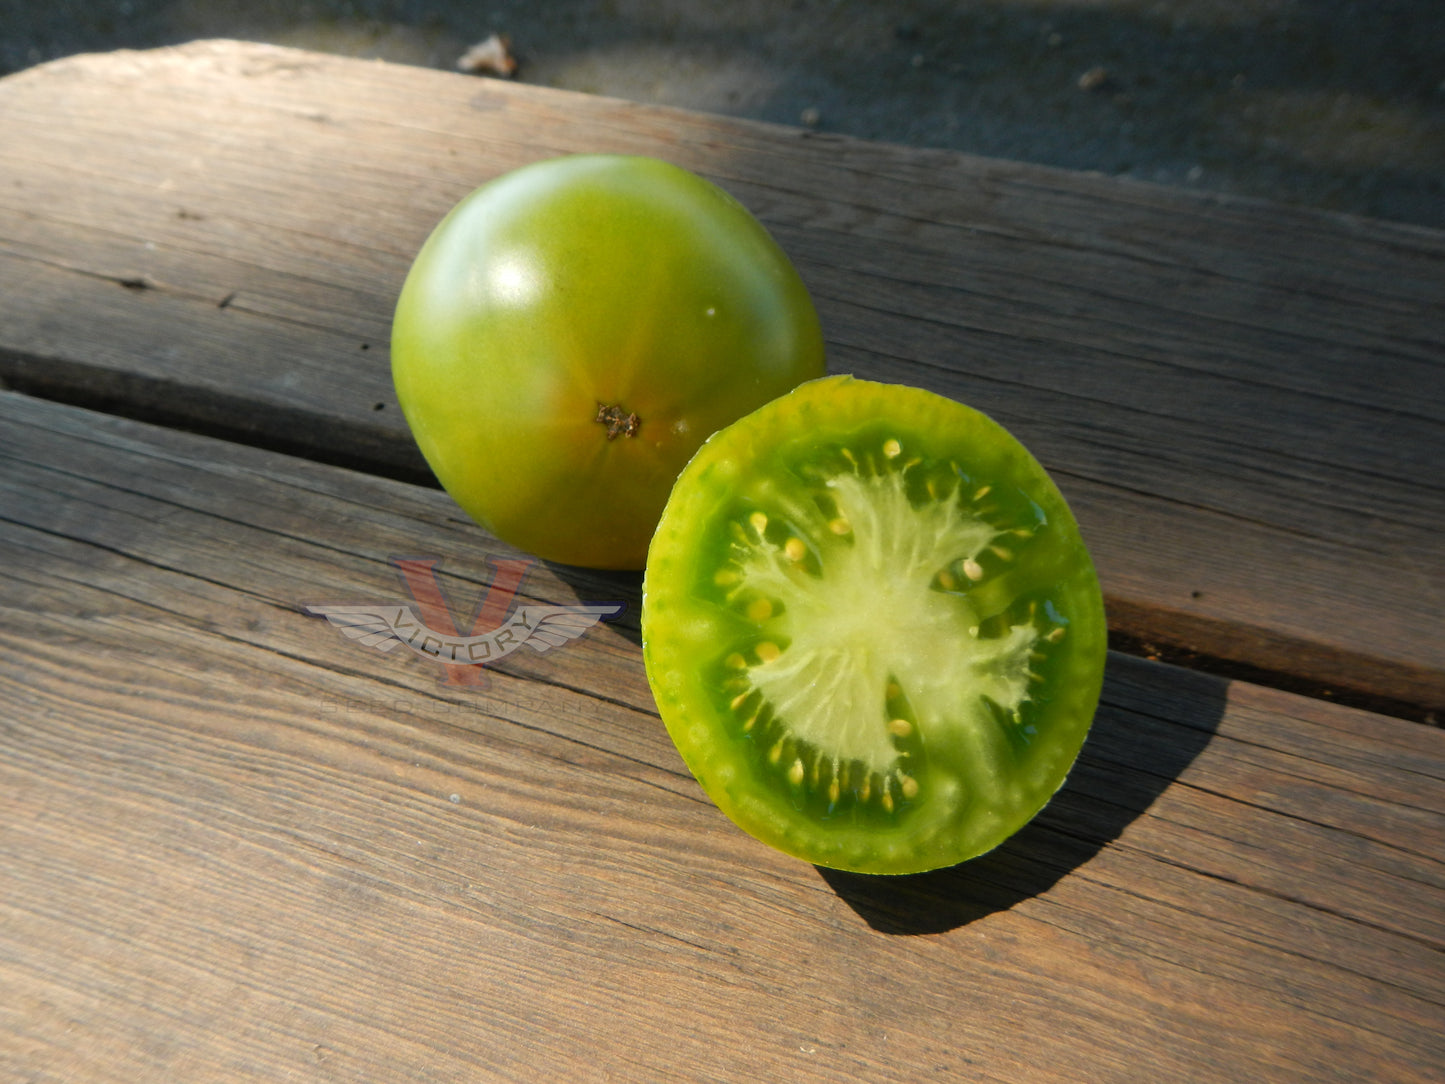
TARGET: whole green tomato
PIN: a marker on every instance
(572, 332)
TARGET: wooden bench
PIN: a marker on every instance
(237, 846)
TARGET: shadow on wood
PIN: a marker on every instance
(598, 584)
(1145, 734)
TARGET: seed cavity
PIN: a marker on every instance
(831, 780)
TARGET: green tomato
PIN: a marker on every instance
(573, 330)
(871, 627)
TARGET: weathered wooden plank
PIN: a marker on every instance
(240, 847)
(1241, 400)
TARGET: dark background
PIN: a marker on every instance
(1318, 102)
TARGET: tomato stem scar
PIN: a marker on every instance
(619, 422)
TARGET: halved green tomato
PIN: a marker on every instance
(871, 627)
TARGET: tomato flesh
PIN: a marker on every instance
(872, 628)
(573, 330)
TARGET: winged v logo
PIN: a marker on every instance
(425, 625)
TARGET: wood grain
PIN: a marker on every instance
(238, 847)
(1241, 400)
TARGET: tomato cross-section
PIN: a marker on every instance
(872, 628)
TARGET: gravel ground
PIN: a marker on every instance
(1318, 102)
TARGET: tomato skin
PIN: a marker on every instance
(577, 284)
(871, 627)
